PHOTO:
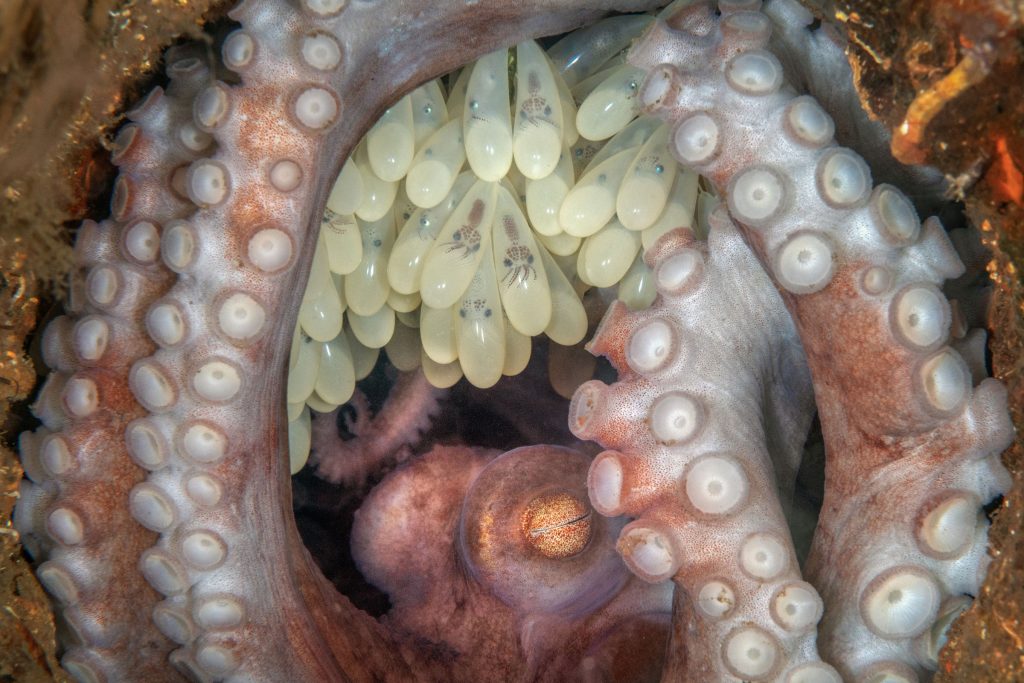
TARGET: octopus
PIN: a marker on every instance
(158, 503)
(466, 240)
(535, 109)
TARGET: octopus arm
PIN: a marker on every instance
(689, 425)
(165, 422)
(904, 423)
(383, 439)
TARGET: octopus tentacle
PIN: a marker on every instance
(75, 514)
(903, 427)
(380, 441)
(184, 380)
(690, 428)
(167, 424)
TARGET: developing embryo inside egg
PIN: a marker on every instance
(479, 212)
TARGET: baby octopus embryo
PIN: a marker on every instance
(669, 189)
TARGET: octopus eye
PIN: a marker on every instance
(529, 534)
(507, 262)
(557, 525)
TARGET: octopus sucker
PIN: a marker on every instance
(696, 472)
(208, 322)
(892, 397)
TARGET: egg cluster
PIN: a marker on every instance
(473, 217)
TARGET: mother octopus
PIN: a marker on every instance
(159, 497)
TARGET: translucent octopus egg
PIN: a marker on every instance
(502, 234)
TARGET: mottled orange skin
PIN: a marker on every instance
(557, 525)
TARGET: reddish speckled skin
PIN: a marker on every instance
(384, 439)
(899, 438)
(755, 408)
(476, 616)
(293, 625)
